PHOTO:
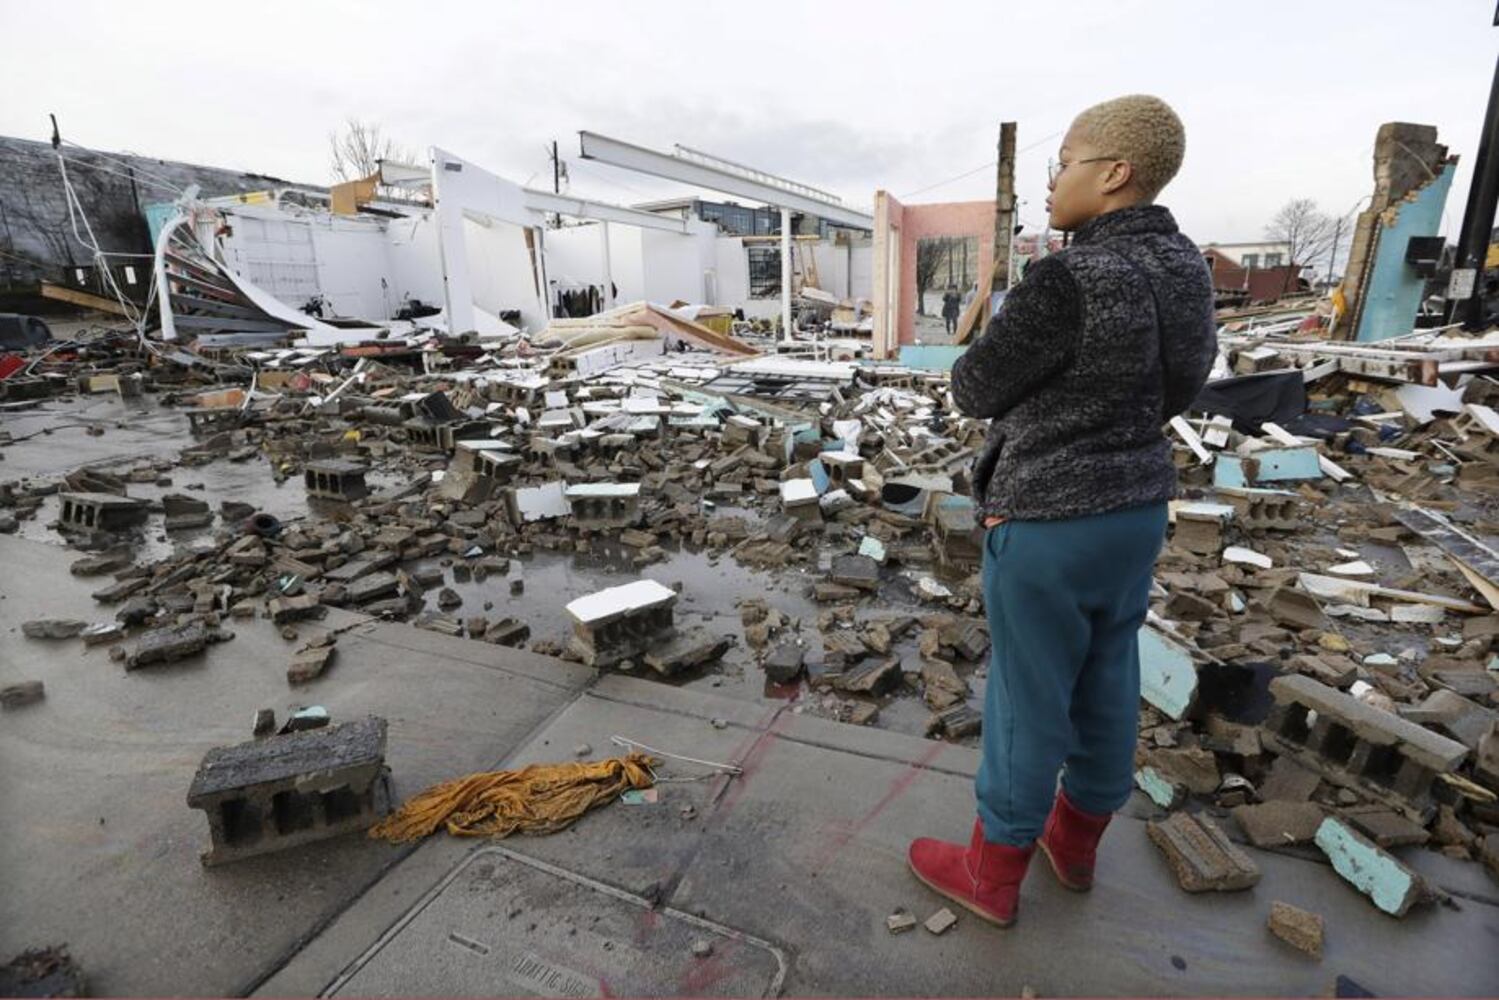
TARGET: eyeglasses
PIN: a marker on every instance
(1054, 168)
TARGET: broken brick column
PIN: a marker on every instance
(1407, 158)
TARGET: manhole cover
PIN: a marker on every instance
(505, 924)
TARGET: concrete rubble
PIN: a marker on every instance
(1296, 927)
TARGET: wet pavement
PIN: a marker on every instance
(145, 433)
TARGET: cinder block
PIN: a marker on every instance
(336, 480)
(619, 623)
(1358, 746)
(275, 793)
(100, 512)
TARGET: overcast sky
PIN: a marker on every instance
(1280, 99)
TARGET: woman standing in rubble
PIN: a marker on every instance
(1091, 354)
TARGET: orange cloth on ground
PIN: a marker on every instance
(541, 798)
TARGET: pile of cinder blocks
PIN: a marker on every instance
(272, 794)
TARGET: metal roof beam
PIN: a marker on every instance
(582, 208)
(700, 174)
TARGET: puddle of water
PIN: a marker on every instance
(712, 585)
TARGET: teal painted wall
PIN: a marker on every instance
(931, 357)
(1394, 290)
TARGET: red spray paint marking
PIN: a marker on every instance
(752, 759)
(838, 837)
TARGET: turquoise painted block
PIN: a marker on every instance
(1393, 292)
(1281, 464)
(819, 474)
(1160, 789)
(931, 357)
(1274, 465)
(1168, 675)
(1393, 887)
(1228, 471)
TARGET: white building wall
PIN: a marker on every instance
(1237, 251)
(350, 265)
(500, 270)
(415, 264)
(861, 277)
(574, 255)
(675, 265)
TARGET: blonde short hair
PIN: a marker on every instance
(1143, 130)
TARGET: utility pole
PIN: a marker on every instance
(556, 170)
(1332, 255)
(1004, 208)
(1478, 217)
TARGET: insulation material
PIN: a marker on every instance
(542, 798)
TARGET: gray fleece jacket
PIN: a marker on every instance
(1089, 356)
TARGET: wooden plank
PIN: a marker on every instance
(977, 309)
(1359, 592)
(87, 300)
(1187, 434)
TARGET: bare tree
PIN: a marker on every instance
(358, 149)
(931, 254)
(1307, 232)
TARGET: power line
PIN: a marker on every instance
(986, 166)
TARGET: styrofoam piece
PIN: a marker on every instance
(611, 603)
(1247, 557)
(603, 490)
(1417, 614)
(930, 588)
(1355, 568)
(537, 503)
(796, 491)
(1203, 510)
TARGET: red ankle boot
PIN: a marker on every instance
(984, 876)
(1070, 842)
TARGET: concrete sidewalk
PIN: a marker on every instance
(788, 872)
(798, 863)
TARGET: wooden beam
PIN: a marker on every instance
(87, 300)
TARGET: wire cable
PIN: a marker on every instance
(986, 166)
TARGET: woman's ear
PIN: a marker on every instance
(1120, 173)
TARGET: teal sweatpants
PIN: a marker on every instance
(1065, 601)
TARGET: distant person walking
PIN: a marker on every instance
(952, 306)
(1091, 353)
